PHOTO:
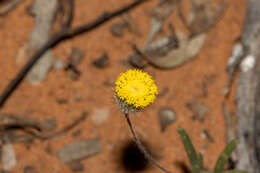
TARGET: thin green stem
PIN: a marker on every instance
(142, 148)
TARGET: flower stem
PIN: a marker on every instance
(142, 148)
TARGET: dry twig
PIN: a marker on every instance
(64, 34)
(9, 6)
(33, 127)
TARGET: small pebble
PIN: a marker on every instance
(29, 169)
(100, 116)
(166, 117)
(76, 166)
(8, 157)
(79, 150)
(62, 101)
(76, 133)
(102, 61)
(49, 124)
(108, 83)
(117, 29)
(199, 110)
(164, 91)
(74, 61)
(207, 135)
(77, 97)
(49, 149)
(136, 61)
(75, 57)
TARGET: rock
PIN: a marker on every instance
(76, 166)
(164, 91)
(102, 61)
(109, 83)
(205, 134)
(117, 29)
(136, 61)
(29, 169)
(79, 150)
(75, 57)
(8, 156)
(49, 149)
(76, 133)
(100, 116)
(74, 61)
(49, 124)
(166, 117)
(77, 97)
(62, 101)
(199, 110)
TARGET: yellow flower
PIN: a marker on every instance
(135, 89)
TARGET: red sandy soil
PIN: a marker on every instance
(184, 85)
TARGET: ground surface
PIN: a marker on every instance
(183, 83)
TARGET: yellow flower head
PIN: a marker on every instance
(136, 89)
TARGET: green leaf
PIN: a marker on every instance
(235, 171)
(200, 160)
(195, 161)
(223, 158)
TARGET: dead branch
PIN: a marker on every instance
(8, 121)
(33, 127)
(65, 129)
(9, 6)
(64, 34)
(248, 92)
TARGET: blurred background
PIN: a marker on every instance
(62, 117)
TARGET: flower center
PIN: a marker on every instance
(135, 90)
(136, 87)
